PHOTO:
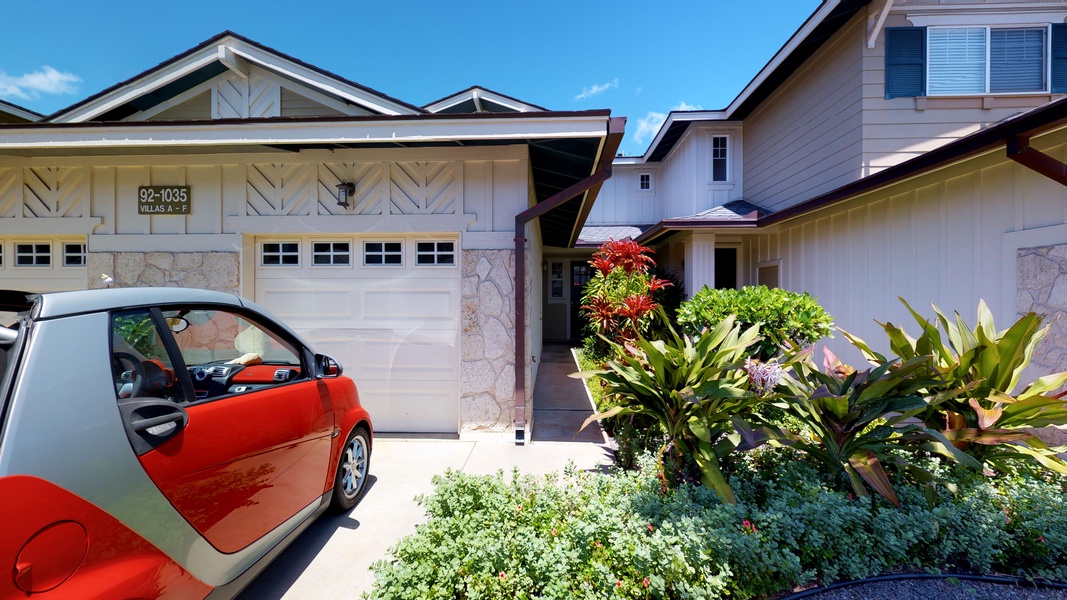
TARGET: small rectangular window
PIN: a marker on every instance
(33, 255)
(331, 253)
(644, 181)
(383, 254)
(718, 158)
(73, 255)
(435, 253)
(987, 60)
(280, 254)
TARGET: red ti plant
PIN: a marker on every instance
(618, 301)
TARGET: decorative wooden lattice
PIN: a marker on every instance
(279, 189)
(371, 189)
(423, 188)
(9, 193)
(53, 192)
(255, 97)
(264, 97)
(231, 99)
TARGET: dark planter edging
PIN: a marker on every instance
(1001, 579)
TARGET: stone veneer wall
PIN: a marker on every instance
(218, 271)
(1042, 288)
(487, 376)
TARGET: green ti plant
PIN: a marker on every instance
(694, 388)
(973, 401)
(856, 421)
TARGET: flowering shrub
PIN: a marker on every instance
(590, 535)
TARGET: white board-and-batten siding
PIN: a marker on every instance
(948, 238)
(405, 190)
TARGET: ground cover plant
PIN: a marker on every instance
(590, 535)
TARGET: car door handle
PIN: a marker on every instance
(143, 424)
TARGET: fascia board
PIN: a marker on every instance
(19, 112)
(151, 134)
(794, 42)
(140, 87)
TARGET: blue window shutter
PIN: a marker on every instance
(1059, 58)
(905, 61)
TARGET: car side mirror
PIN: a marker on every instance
(327, 366)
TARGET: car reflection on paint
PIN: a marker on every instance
(163, 443)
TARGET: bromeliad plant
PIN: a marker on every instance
(977, 370)
(857, 419)
(619, 300)
(694, 389)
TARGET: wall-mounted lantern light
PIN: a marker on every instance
(345, 191)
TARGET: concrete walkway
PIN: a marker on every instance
(332, 558)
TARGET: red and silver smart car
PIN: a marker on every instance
(163, 443)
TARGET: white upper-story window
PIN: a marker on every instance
(976, 59)
(987, 60)
(644, 182)
(719, 156)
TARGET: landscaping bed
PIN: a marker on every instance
(589, 535)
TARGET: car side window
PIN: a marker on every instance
(140, 364)
(229, 353)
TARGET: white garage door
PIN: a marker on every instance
(387, 308)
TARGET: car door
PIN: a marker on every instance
(224, 416)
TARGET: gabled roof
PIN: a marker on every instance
(476, 99)
(816, 31)
(13, 113)
(226, 51)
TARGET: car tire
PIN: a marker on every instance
(353, 467)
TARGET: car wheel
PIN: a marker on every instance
(352, 468)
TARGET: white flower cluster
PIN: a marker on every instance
(763, 376)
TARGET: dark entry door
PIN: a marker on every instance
(581, 272)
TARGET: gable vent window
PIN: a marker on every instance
(383, 254)
(435, 253)
(954, 61)
(331, 254)
(644, 182)
(718, 158)
(33, 255)
(280, 254)
(73, 255)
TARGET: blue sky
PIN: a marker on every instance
(639, 59)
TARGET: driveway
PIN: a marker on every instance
(332, 558)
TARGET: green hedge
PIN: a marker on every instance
(783, 316)
(594, 536)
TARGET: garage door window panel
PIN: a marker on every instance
(73, 255)
(331, 254)
(280, 254)
(227, 353)
(383, 254)
(435, 254)
(35, 254)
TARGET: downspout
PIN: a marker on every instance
(611, 144)
(1019, 150)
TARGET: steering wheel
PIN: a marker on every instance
(138, 370)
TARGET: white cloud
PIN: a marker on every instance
(686, 106)
(597, 89)
(31, 85)
(648, 126)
